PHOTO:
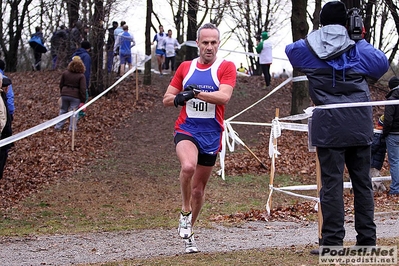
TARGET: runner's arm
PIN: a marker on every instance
(169, 96)
(220, 97)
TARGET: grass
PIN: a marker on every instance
(104, 199)
(110, 202)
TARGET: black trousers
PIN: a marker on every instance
(38, 60)
(357, 161)
(3, 159)
(171, 61)
(266, 73)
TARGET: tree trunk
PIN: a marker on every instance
(97, 41)
(300, 28)
(15, 27)
(73, 12)
(192, 52)
(147, 68)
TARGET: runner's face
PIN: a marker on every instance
(208, 44)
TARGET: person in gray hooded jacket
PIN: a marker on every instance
(336, 68)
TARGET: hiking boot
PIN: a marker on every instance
(190, 245)
(185, 225)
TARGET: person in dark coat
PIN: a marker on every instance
(391, 135)
(110, 46)
(59, 46)
(38, 54)
(83, 53)
(378, 151)
(72, 90)
(336, 68)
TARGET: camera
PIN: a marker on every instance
(355, 24)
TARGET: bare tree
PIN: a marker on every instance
(192, 52)
(97, 41)
(11, 38)
(300, 28)
(251, 18)
(394, 12)
(73, 11)
(147, 69)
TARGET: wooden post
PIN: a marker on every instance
(272, 167)
(73, 131)
(318, 182)
(137, 80)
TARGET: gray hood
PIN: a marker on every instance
(330, 41)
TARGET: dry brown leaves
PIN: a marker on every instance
(47, 156)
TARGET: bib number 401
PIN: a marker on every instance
(200, 106)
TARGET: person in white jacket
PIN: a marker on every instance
(264, 49)
(170, 45)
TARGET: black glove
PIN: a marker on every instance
(194, 88)
(183, 97)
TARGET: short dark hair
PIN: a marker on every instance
(208, 26)
(85, 45)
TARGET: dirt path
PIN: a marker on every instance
(107, 247)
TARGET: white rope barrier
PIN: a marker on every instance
(230, 137)
(286, 190)
(59, 118)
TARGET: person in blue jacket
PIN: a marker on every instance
(83, 53)
(10, 92)
(337, 67)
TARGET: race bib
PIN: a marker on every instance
(196, 108)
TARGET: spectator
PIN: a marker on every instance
(117, 32)
(284, 75)
(159, 51)
(264, 49)
(10, 92)
(199, 127)
(124, 44)
(242, 69)
(391, 135)
(72, 90)
(37, 43)
(59, 47)
(171, 46)
(378, 150)
(110, 46)
(5, 122)
(75, 38)
(336, 68)
(83, 53)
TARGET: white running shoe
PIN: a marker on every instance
(191, 247)
(185, 229)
